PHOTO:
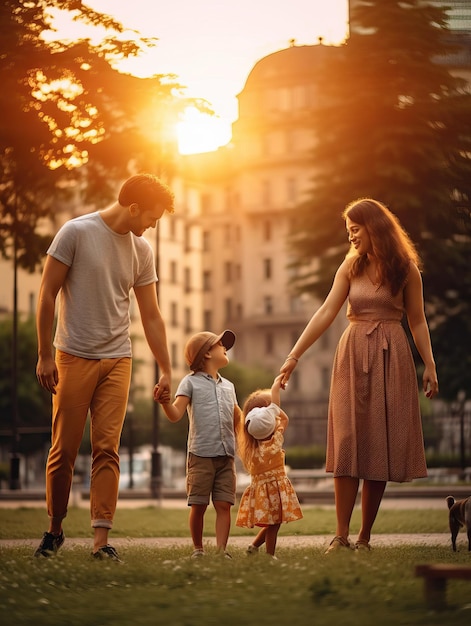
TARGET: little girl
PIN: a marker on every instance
(270, 499)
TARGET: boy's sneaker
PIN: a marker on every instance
(49, 544)
(252, 549)
(107, 552)
(224, 553)
(198, 553)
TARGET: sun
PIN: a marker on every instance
(198, 132)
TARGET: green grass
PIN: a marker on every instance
(24, 523)
(163, 586)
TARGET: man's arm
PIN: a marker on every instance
(54, 275)
(154, 330)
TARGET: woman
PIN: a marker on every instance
(374, 425)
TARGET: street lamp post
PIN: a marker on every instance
(14, 482)
(156, 466)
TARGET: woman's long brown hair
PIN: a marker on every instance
(391, 244)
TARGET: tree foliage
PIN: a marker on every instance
(393, 123)
(34, 403)
(71, 123)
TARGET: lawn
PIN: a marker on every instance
(163, 586)
(162, 522)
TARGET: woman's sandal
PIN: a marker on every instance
(362, 546)
(338, 543)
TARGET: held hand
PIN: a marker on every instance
(286, 370)
(162, 388)
(275, 390)
(277, 383)
(46, 373)
(164, 397)
(430, 382)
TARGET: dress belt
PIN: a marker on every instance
(374, 327)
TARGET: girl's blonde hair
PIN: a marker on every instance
(391, 244)
(246, 444)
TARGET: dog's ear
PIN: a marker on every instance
(450, 501)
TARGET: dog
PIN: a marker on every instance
(459, 515)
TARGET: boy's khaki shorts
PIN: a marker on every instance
(210, 477)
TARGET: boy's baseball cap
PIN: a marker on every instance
(199, 344)
(261, 421)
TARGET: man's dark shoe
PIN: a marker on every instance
(107, 552)
(49, 544)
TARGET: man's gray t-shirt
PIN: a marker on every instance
(211, 414)
(93, 320)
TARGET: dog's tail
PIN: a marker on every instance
(450, 501)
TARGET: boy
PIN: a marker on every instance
(212, 411)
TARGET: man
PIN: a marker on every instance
(92, 264)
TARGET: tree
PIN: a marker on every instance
(33, 401)
(64, 106)
(393, 123)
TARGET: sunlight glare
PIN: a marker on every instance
(213, 60)
(198, 132)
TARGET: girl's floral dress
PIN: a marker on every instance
(270, 498)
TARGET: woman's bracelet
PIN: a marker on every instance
(290, 356)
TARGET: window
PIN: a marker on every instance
(227, 233)
(187, 316)
(173, 272)
(269, 343)
(172, 228)
(206, 241)
(206, 280)
(173, 314)
(207, 320)
(267, 269)
(228, 271)
(268, 305)
(187, 239)
(187, 279)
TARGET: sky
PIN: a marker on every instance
(212, 45)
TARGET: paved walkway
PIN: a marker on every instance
(295, 541)
(292, 541)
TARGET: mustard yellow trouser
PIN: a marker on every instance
(101, 386)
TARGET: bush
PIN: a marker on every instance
(305, 457)
(4, 473)
(435, 459)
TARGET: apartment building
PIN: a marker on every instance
(248, 193)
